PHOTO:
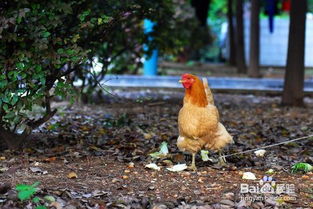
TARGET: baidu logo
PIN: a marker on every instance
(267, 185)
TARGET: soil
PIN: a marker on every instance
(94, 156)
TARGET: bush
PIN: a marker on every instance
(43, 42)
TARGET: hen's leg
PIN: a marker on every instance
(221, 159)
(193, 162)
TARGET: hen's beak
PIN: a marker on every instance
(181, 81)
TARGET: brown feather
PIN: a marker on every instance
(198, 121)
(196, 94)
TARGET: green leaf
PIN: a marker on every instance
(9, 115)
(3, 84)
(38, 68)
(43, 80)
(204, 155)
(49, 198)
(14, 99)
(162, 153)
(301, 167)
(19, 20)
(163, 148)
(70, 52)
(5, 108)
(36, 199)
(26, 194)
(60, 51)
(46, 34)
(20, 65)
(41, 207)
(36, 184)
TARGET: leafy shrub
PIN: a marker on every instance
(46, 45)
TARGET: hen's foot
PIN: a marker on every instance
(222, 160)
(193, 163)
(192, 168)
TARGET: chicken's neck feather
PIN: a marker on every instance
(196, 94)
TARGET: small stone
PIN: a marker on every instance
(241, 204)
(229, 195)
(72, 175)
(115, 180)
(226, 207)
(200, 180)
(197, 192)
(159, 206)
(270, 201)
(185, 173)
(125, 177)
(305, 177)
(70, 207)
(205, 207)
(4, 187)
(151, 187)
(127, 171)
(227, 202)
(258, 204)
(12, 195)
(217, 206)
(131, 165)
(167, 163)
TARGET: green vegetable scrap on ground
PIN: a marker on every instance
(301, 167)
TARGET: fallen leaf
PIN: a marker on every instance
(72, 175)
(57, 205)
(50, 159)
(177, 168)
(153, 166)
(248, 176)
(49, 198)
(260, 152)
(37, 170)
(204, 155)
(301, 167)
(163, 151)
(131, 165)
(270, 171)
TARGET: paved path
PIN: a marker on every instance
(218, 83)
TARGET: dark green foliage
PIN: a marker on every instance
(25, 192)
(42, 43)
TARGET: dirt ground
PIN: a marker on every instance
(94, 156)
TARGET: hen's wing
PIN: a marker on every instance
(221, 139)
(209, 95)
(208, 91)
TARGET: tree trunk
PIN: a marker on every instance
(294, 76)
(231, 33)
(253, 70)
(202, 9)
(12, 140)
(240, 53)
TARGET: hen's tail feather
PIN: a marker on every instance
(208, 91)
